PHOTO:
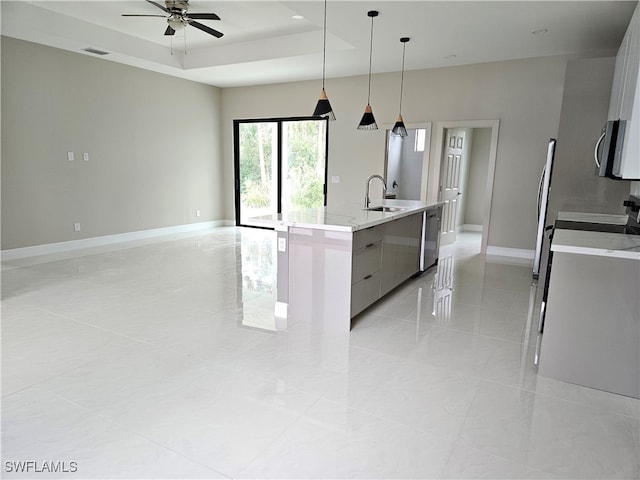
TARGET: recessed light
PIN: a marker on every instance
(539, 31)
(297, 17)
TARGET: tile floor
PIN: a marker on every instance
(164, 360)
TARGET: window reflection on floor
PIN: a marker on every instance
(257, 269)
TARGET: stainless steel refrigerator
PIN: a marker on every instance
(543, 205)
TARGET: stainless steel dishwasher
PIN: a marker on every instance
(430, 238)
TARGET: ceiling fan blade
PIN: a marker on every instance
(203, 16)
(204, 28)
(169, 30)
(158, 5)
(142, 15)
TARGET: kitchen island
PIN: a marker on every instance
(591, 331)
(333, 262)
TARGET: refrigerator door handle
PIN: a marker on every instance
(543, 203)
(544, 169)
(595, 150)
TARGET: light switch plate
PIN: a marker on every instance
(282, 244)
(70, 156)
(335, 179)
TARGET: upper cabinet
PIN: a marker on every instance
(625, 98)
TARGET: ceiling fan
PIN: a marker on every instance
(178, 17)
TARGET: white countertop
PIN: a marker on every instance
(603, 244)
(593, 218)
(347, 217)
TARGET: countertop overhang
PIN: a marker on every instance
(348, 217)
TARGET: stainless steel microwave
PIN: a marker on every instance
(608, 160)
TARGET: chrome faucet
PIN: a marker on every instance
(367, 201)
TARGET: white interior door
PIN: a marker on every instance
(450, 192)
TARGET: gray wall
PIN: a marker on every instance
(410, 177)
(525, 95)
(574, 185)
(404, 166)
(394, 159)
(161, 147)
(477, 181)
(153, 143)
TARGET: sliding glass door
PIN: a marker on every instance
(280, 165)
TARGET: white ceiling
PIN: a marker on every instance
(262, 43)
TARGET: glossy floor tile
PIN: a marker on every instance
(164, 360)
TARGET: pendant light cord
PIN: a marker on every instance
(370, 57)
(324, 43)
(404, 47)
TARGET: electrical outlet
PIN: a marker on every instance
(197, 213)
(85, 155)
(335, 179)
(76, 227)
(70, 156)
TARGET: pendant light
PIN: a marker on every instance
(323, 108)
(399, 129)
(368, 122)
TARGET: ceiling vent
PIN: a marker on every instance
(96, 51)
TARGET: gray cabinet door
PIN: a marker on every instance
(400, 251)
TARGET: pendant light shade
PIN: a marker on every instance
(368, 121)
(323, 107)
(399, 129)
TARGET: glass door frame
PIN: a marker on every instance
(236, 158)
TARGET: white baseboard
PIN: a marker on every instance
(518, 253)
(469, 227)
(60, 247)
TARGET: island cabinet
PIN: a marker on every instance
(366, 266)
(334, 262)
(401, 251)
(384, 256)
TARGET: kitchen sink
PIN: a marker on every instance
(385, 209)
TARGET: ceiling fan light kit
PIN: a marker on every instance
(399, 128)
(178, 17)
(323, 107)
(175, 24)
(368, 121)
